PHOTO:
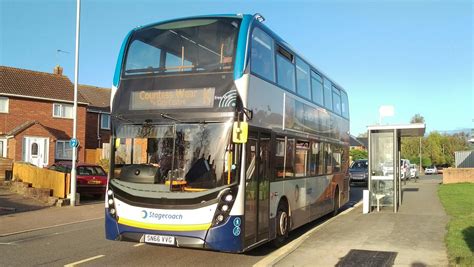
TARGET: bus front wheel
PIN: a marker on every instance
(282, 225)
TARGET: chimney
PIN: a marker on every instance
(58, 70)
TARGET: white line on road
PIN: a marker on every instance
(279, 254)
(139, 244)
(82, 261)
(47, 227)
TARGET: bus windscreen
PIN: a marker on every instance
(196, 45)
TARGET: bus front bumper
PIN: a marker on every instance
(225, 237)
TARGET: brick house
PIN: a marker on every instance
(98, 115)
(36, 116)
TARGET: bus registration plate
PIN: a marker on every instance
(160, 239)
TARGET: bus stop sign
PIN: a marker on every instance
(73, 142)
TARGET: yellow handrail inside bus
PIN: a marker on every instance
(229, 165)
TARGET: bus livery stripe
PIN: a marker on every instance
(165, 227)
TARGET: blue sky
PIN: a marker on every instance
(414, 55)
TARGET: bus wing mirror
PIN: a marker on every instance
(240, 132)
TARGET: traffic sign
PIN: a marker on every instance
(73, 142)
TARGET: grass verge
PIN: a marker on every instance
(458, 201)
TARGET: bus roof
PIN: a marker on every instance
(251, 18)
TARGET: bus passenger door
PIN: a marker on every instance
(257, 188)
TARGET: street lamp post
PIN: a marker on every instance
(74, 129)
(420, 157)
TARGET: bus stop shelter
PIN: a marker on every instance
(385, 185)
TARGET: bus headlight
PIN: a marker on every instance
(111, 203)
(226, 201)
(229, 198)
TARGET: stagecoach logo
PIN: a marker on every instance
(160, 216)
(173, 98)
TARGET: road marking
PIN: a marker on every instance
(139, 244)
(282, 252)
(47, 227)
(82, 261)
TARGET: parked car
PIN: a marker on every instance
(431, 170)
(414, 173)
(91, 179)
(404, 169)
(359, 171)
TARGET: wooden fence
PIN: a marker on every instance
(93, 156)
(58, 182)
(6, 166)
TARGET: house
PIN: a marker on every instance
(36, 116)
(98, 115)
(358, 142)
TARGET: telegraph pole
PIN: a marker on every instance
(74, 143)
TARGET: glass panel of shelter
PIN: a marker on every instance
(383, 172)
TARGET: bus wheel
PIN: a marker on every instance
(282, 225)
(336, 201)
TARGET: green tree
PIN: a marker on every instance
(432, 148)
(417, 118)
(357, 154)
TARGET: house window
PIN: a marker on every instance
(2, 155)
(63, 150)
(3, 104)
(62, 111)
(105, 121)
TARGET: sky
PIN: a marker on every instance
(414, 55)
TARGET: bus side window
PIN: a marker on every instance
(327, 94)
(285, 69)
(262, 60)
(337, 157)
(314, 158)
(280, 157)
(301, 159)
(328, 158)
(290, 156)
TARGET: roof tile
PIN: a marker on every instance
(15, 81)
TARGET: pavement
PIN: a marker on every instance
(20, 214)
(412, 237)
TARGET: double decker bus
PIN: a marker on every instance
(223, 137)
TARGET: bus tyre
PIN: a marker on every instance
(282, 225)
(336, 202)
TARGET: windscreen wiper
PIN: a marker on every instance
(166, 116)
(121, 118)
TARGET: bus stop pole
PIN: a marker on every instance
(74, 112)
